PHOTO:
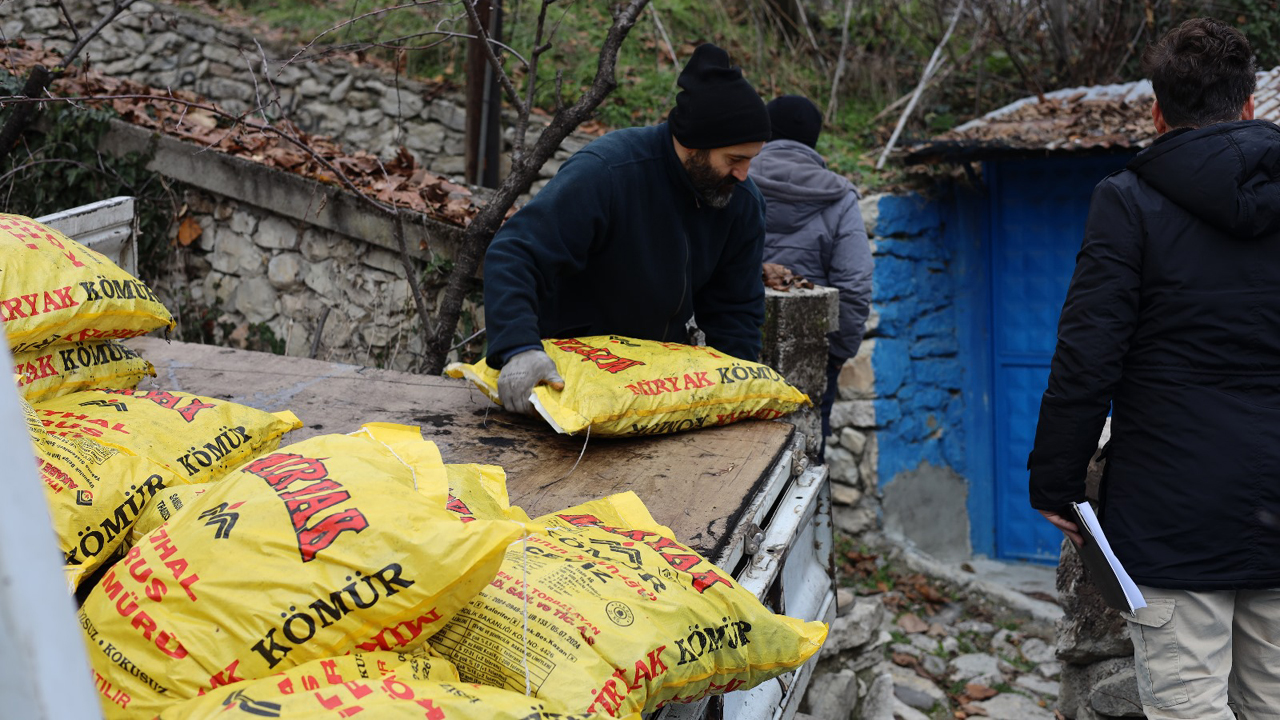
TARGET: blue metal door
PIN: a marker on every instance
(1037, 218)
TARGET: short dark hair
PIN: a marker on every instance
(1202, 71)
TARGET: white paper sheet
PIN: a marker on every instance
(1131, 591)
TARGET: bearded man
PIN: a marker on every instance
(636, 232)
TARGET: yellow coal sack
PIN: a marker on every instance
(393, 697)
(336, 544)
(103, 456)
(195, 437)
(71, 367)
(382, 671)
(53, 290)
(601, 609)
(620, 386)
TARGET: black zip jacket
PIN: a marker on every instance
(620, 243)
(1172, 321)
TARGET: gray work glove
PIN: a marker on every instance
(521, 374)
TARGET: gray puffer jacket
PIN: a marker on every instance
(814, 227)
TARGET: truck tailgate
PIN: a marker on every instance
(699, 484)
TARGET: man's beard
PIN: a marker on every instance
(715, 189)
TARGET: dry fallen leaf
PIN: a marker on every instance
(911, 624)
(978, 691)
(189, 231)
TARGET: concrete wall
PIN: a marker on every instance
(898, 428)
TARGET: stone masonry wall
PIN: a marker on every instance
(896, 423)
(252, 271)
(169, 47)
(260, 275)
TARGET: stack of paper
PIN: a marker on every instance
(1117, 589)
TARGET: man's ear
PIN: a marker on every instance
(1157, 116)
(1247, 112)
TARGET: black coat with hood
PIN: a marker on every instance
(1172, 321)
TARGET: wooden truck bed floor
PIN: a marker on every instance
(698, 483)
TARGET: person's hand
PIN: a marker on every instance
(521, 374)
(1065, 526)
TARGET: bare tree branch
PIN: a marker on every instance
(70, 23)
(358, 18)
(522, 112)
(844, 48)
(40, 77)
(118, 7)
(524, 171)
(924, 80)
(512, 93)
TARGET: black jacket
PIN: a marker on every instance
(620, 243)
(1172, 320)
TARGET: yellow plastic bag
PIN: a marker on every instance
(196, 438)
(334, 544)
(53, 289)
(266, 697)
(102, 459)
(476, 492)
(479, 492)
(162, 507)
(62, 369)
(620, 386)
(393, 696)
(607, 612)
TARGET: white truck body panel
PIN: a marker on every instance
(106, 226)
(44, 672)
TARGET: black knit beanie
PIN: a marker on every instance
(716, 106)
(795, 117)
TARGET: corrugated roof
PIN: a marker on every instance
(1100, 118)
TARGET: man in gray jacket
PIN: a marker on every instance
(814, 227)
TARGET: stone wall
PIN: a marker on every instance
(280, 259)
(897, 426)
(169, 47)
(1098, 677)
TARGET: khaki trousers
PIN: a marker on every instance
(1200, 655)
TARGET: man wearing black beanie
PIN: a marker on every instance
(814, 227)
(637, 232)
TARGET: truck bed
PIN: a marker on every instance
(700, 484)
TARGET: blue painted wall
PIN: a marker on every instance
(951, 271)
(918, 371)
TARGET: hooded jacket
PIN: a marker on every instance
(1172, 321)
(814, 227)
(620, 243)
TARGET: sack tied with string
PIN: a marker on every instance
(334, 544)
(602, 610)
(622, 386)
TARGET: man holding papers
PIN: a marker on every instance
(1172, 321)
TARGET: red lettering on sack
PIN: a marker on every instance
(188, 413)
(602, 357)
(33, 304)
(283, 470)
(456, 505)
